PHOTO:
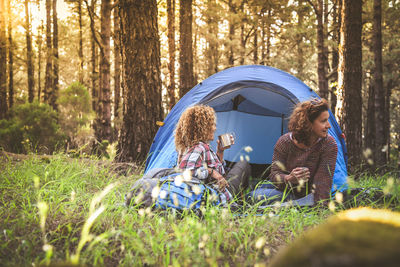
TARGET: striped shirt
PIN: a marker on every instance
(199, 158)
(320, 159)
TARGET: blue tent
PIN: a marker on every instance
(252, 101)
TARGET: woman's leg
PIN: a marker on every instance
(238, 177)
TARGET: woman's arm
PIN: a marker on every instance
(323, 177)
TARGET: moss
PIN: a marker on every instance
(345, 242)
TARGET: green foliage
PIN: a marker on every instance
(31, 127)
(75, 113)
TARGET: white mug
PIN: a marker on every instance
(226, 139)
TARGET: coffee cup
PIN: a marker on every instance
(227, 139)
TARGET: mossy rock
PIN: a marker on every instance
(359, 237)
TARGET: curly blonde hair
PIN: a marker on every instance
(194, 126)
(304, 114)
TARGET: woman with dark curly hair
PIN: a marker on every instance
(304, 159)
(193, 133)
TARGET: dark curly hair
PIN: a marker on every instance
(194, 126)
(304, 114)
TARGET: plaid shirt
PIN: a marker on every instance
(199, 158)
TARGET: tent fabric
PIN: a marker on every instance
(254, 102)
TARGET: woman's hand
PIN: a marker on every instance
(221, 181)
(221, 149)
(297, 174)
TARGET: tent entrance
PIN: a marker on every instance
(257, 113)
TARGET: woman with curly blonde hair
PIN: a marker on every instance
(193, 133)
(304, 159)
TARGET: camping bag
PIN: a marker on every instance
(186, 195)
(172, 194)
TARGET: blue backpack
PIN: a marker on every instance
(173, 194)
(184, 195)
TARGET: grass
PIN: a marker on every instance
(68, 210)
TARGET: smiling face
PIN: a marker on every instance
(321, 125)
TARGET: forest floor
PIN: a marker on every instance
(57, 209)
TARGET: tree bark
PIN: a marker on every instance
(117, 72)
(104, 117)
(54, 94)
(255, 45)
(322, 78)
(48, 84)
(186, 77)
(299, 37)
(80, 51)
(171, 53)
(380, 92)
(93, 60)
(3, 63)
(348, 109)
(29, 54)
(39, 64)
(141, 76)
(232, 26)
(10, 59)
(370, 126)
(335, 54)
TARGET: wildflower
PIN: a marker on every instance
(36, 181)
(247, 158)
(155, 192)
(139, 197)
(339, 197)
(280, 165)
(260, 243)
(187, 175)
(267, 252)
(248, 149)
(175, 199)
(163, 194)
(73, 196)
(47, 247)
(331, 206)
(178, 180)
(196, 189)
(367, 153)
(141, 212)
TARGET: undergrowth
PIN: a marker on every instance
(67, 210)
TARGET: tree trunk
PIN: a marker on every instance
(335, 53)
(322, 79)
(142, 78)
(299, 37)
(380, 92)
(104, 117)
(255, 45)
(39, 72)
(186, 77)
(10, 59)
(212, 39)
(29, 54)
(117, 73)
(370, 127)
(48, 83)
(3, 63)
(80, 52)
(348, 109)
(93, 60)
(54, 94)
(171, 52)
(232, 24)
